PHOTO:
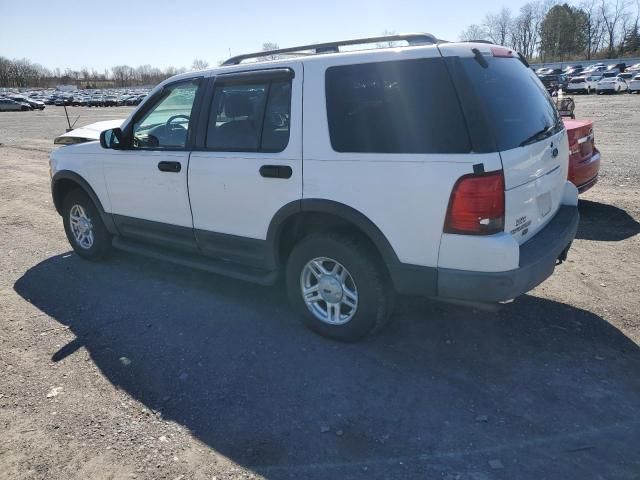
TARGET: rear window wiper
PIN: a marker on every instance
(477, 55)
(537, 136)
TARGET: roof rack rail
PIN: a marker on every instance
(333, 47)
(480, 41)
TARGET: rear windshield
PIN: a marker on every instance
(514, 104)
(577, 80)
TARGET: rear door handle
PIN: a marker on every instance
(174, 167)
(276, 171)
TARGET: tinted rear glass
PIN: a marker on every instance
(514, 103)
(407, 106)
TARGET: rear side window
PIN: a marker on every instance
(407, 106)
(250, 117)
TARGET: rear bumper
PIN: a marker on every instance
(538, 258)
(584, 175)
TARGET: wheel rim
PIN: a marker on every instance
(329, 291)
(81, 227)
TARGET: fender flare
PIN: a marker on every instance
(84, 185)
(345, 212)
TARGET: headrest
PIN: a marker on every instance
(237, 105)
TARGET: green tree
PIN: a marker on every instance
(562, 33)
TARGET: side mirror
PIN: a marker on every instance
(111, 138)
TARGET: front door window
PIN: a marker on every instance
(167, 123)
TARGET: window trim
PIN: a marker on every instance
(267, 76)
(152, 102)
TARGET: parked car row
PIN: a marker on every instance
(575, 70)
(96, 99)
(615, 78)
(606, 83)
(37, 99)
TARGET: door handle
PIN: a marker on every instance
(174, 167)
(276, 171)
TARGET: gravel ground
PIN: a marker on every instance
(134, 368)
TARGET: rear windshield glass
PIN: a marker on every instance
(407, 106)
(515, 104)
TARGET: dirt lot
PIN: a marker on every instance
(139, 369)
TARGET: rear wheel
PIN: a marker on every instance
(83, 225)
(339, 287)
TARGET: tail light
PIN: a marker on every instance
(476, 205)
(574, 147)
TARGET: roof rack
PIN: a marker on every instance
(333, 47)
(480, 41)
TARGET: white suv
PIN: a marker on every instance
(435, 169)
(583, 84)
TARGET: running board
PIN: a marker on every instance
(200, 262)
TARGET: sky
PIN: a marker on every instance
(76, 34)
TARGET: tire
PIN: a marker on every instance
(374, 294)
(78, 204)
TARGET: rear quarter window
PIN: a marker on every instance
(407, 106)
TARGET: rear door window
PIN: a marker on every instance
(407, 106)
(250, 117)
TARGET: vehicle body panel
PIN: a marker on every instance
(220, 181)
(584, 159)
(360, 180)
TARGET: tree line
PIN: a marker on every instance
(547, 30)
(19, 73)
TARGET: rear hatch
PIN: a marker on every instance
(509, 111)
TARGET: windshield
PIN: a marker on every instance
(516, 105)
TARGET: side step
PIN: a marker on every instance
(221, 267)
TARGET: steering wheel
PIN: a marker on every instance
(169, 127)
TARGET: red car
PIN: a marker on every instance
(584, 157)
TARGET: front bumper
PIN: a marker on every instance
(538, 258)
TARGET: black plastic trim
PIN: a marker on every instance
(407, 279)
(538, 258)
(243, 250)
(233, 270)
(107, 219)
(157, 233)
(251, 76)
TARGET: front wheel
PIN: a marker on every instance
(83, 225)
(338, 285)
